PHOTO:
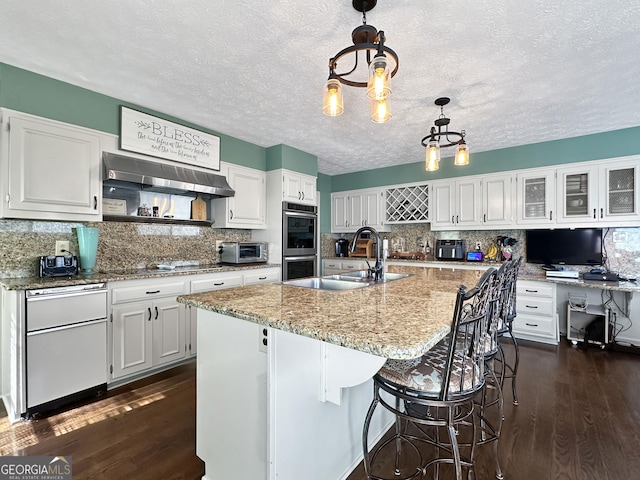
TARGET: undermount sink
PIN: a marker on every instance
(344, 281)
(321, 283)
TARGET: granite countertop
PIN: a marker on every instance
(629, 287)
(28, 283)
(400, 319)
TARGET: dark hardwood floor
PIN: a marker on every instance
(578, 419)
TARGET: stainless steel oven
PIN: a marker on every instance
(299, 240)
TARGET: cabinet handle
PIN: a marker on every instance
(262, 278)
(601, 212)
(594, 214)
(299, 196)
(531, 324)
(95, 202)
(302, 195)
(531, 306)
(530, 291)
(154, 291)
(453, 219)
(218, 284)
(230, 214)
(550, 214)
(484, 218)
(156, 313)
(149, 319)
(457, 219)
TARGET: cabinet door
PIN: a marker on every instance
(247, 206)
(54, 171)
(535, 197)
(371, 205)
(168, 331)
(132, 338)
(444, 208)
(355, 212)
(469, 203)
(577, 200)
(619, 191)
(291, 187)
(339, 221)
(308, 189)
(496, 200)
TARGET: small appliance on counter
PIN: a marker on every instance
(58, 266)
(243, 252)
(450, 250)
(342, 247)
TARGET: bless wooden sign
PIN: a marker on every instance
(142, 133)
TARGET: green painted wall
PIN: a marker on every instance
(617, 143)
(284, 156)
(29, 92)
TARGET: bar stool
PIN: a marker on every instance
(435, 392)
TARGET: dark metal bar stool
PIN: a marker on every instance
(435, 393)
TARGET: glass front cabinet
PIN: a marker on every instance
(536, 197)
(619, 188)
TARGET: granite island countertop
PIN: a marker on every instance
(400, 319)
(29, 283)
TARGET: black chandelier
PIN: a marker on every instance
(433, 141)
(382, 64)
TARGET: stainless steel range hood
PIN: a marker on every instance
(161, 177)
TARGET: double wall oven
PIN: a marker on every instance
(299, 240)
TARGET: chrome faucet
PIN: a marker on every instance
(377, 271)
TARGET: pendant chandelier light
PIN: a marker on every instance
(433, 141)
(382, 63)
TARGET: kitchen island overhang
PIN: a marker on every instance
(283, 375)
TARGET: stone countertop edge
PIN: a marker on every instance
(402, 319)
(30, 283)
(630, 287)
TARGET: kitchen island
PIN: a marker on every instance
(284, 373)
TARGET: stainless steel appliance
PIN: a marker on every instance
(58, 266)
(243, 252)
(66, 344)
(299, 240)
(342, 247)
(450, 249)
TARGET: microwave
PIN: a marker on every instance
(243, 252)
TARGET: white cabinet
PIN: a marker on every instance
(148, 325)
(536, 315)
(458, 204)
(497, 199)
(261, 275)
(353, 209)
(535, 197)
(599, 194)
(333, 266)
(298, 188)
(49, 170)
(247, 208)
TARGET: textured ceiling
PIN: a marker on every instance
(517, 72)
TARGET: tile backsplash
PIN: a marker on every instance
(621, 245)
(121, 246)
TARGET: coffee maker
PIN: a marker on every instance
(342, 247)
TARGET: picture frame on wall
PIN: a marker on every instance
(150, 135)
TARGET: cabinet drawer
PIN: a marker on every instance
(145, 292)
(534, 325)
(533, 289)
(535, 306)
(337, 265)
(267, 276)
(354, 265)
(216, 283)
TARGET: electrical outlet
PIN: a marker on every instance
(218, 243)
(62, 247)
(478, 246)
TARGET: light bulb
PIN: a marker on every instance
(379, 110)
(379, 81)
(432, 161)
(462, 154)
(332, 103)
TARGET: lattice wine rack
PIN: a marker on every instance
(408, 204)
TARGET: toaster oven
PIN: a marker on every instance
(243, 252)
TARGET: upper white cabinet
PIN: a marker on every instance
(49, 170)
(353, 209)
(497, 201)
(298, 188)
(535, 197)
(247, 208)
(457, 204)
(599, 193)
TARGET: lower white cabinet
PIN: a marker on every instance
(148, 325)
(536, 317)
